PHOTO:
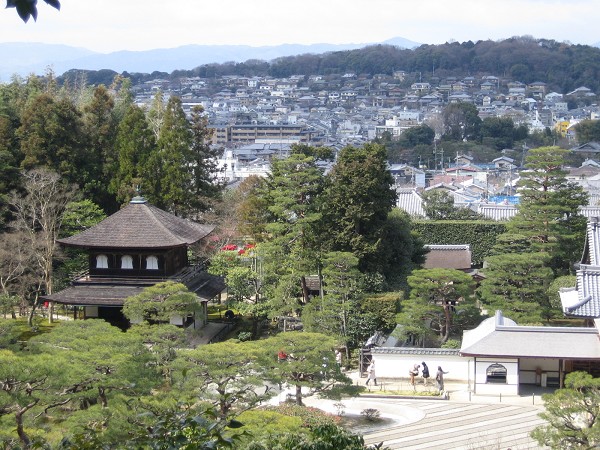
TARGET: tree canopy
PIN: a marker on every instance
(440, 303)
(572, 413)
(161, 303)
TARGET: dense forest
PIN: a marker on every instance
(563, 66)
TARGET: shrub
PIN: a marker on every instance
(451, 343)
(370, 414)
(245, 336)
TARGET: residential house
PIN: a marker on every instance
(504, 163)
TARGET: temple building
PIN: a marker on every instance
(138, 246)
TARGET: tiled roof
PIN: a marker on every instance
(94, 295)
(204, 285)
(583, 300)
(500, 337)
(410, 201)
(587, 301)
(497, 212)
(589, 211)
(415, 351)
(448, 257)
(593, 241)
(140, 225)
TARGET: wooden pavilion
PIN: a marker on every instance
(136, 247)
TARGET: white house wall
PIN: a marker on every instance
(482, 387)
(394, 365)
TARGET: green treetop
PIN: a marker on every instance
(161, 303)
(438, 299)
(572, 414)
(548, 211)
(358, 198)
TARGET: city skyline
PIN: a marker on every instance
(107, 26)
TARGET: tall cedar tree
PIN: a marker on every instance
(134, 144)
(358, 198)
(51, 136)
(205, 174)
(9, 169)
(402, 251)
(100, 127)
(170, 166)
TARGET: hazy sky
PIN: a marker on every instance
(111, 25)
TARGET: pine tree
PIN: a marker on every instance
(436, 297)
(517, 284)
(549, 208)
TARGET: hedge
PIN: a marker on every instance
(480, 235)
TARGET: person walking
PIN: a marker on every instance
(439, 378)
(425, 373)
(371, 373)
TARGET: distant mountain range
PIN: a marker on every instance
(26, 58)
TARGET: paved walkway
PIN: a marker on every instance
(465, 421)
(454, 425)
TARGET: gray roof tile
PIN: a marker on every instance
(586, 302)
(140, 225)
(500, 337)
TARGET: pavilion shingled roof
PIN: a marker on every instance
(140, 225)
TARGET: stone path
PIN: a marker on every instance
(452, 425)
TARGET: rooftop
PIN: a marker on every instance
(140, 225)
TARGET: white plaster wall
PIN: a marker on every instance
(496, 389)
(512, 377)
(394, 365)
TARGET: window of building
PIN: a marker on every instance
(126, 262)
(496, 373)
(101, 262)
(151, 262)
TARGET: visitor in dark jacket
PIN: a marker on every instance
(425, 373)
